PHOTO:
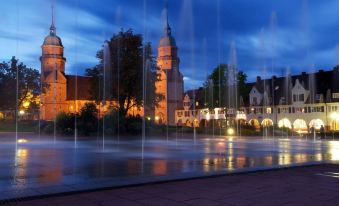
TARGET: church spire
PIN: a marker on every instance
(167, 29)
(52, 28)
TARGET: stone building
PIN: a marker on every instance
(53, 74)
(65, 93)
(170, 83)
(68, 93)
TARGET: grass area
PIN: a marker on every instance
(23, 126)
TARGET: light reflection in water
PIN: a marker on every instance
(318, 157)
(268, 160)
(53, 172)
(21, 164)
(300, 158)
(284, 159)
(159, 167)
(53, 165)
(334, 150)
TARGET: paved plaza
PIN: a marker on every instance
(310, 185)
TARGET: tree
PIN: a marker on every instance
(244, 90)
(122, 82)
(88, 119)
(224, 87)
(215, 87)
(29, 86)
(96, 83)
(152, 98)
(65, 123)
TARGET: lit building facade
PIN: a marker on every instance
(170, 84)
(64, 93)
(69, 93)
(298, 102)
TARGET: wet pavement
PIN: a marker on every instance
(44, 167)
(299, 186)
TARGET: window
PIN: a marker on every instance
(317, 97)
(254, 101)
(294, 98)
(269, 110)
(179, 114)
(301, 97)
(187, 113)
(335, 95)
(186, 104)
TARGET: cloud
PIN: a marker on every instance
(305, 32)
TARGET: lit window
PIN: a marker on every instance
(269, 110)
(335, 95)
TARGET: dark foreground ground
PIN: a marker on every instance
(311, 185)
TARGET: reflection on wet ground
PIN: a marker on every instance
(43, 167)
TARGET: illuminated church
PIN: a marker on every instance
(170, 84)
(68, 93)
(65, 93)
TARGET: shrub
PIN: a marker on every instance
(64, 123)
(88, 121)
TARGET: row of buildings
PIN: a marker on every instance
(298, 102)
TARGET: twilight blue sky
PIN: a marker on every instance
(270, 37)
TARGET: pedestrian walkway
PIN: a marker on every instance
(312, 185)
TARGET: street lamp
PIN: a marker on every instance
(21, 112)
(230, 131)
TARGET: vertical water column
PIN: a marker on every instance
(337, 55)
(143, 135)
(262, 66)
(233, 80)
(106, 75)
(76, 74)
(273, 39)
(187, 32)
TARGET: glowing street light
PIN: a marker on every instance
(22, 141)
(157, 118)
(21, 112)
(335, 116)
(26, 104)
(230, 131)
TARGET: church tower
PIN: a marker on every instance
(170, 83)
(53, 101)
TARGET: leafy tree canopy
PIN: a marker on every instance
(119, 76)
(24, 93)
